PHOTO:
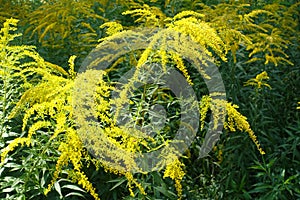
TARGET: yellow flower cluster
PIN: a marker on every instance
(13, 145)
(58, 106)
(113, 145)
(42, 98)
(202, 33)
(72, 150)
(50, 96)
(112, 28)
(82, 180)
(236, 120)
(188, 13)
(238, 26)
(259, 80)
(59, 20)
(148, 16)
(218, 108)
(174, 170)
(204, 107)
(218, 149)
(180, 65)
(71, 71)
(131, 180)
(267, 37)
(6, 36)
(14, 9)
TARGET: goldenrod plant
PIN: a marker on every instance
(25, 73)
(52, 109)
(21, 68)
(259, 81)
(61, 134)
(14, 9)
(66, 24)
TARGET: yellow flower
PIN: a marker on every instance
(259, 80)
(175, 172)
(237, 120)
(112, 28)
(36, 126)
(13, 145)
(180, 65)
(131, 180)
(82, 180)
(71, 65)
(205, 104)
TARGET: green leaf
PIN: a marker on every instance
(58, 189)
(74, 194)
(120, 181)
(73, 187)
(7, 190)
(165, 192)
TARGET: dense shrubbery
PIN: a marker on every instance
(254, 45)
